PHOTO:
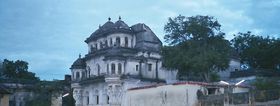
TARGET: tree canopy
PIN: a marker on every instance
(196, 46)
(17, 70)
(257, 51)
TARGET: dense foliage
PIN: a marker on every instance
(197, 47)
(16, 70)
(257, 51)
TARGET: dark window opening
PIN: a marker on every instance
(113, 68)
(107, 68)
(118, 41)
(111, 42)
(87, 100)
(119, 68)
(88, 71)
(149, 53)
(211, 91)
(108, 99)
(126, 42)
(149, 67)
(98, 69)
(131, 42)
(106, 43)
(97, 99)
(77, 75)
(137, 67)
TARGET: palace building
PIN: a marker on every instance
(120, 57)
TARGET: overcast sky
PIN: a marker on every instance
(49, 34)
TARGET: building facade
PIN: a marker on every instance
(119, 58)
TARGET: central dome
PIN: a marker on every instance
(109, 27)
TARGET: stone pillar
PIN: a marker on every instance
(77, 94)
(115, 90)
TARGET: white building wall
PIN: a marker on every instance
(233, 65)
(93, 63)
(74, 74)
(131, 67)
(240, 90)
(169, 95)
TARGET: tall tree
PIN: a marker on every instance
(17, 70)
(257, 51)
(196, 46)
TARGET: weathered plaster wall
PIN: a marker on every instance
(4, 100)
(169, 95)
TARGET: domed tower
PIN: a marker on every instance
(78, 69)
(78, 73)
(119, 57)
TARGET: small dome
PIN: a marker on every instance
(107, 25)
(121, 24)
(79, 64)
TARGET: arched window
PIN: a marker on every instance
(98, 69)
(91, 49)
(113, 67)
(118, 41)
(119, 68)
(87, 100)
(126, 42)
(77, 75)
(97, 99)
(106, 43)
(88, 71)
(131, 43)
(149, 67)
(111, 42)
(108, 99)
(107, 68)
